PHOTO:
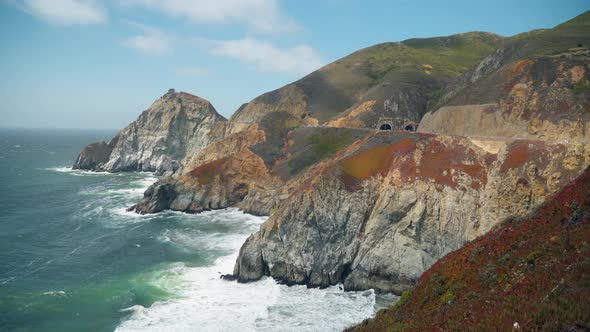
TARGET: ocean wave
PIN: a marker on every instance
(109, 200)
(207, 303)
(78, 172)
(55, 293)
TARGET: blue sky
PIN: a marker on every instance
(98, 64)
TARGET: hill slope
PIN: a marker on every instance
(537, 85)
(534, 272)
(407, 75)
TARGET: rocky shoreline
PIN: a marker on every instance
(367, 208)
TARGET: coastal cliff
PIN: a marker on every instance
(173, 127)
(528, 274)
(503, 126)
(381, 213)
(373, 209)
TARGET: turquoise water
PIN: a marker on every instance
(73, 259)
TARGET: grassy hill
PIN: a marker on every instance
(409, 72)
(410, 76)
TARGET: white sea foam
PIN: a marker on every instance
(113, 196)
(55, 293)
(207, 303)
(203, 301)
(78, 172)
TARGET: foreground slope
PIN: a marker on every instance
(533, 271)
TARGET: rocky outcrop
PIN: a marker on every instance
(532, 271)
(380, 215)
(94, 155)
(175, 126)
(247, 170)
(226, 173)
(217, 184)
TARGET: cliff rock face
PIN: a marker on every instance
(375, 209)
(95, 155)
(226, 173)
(176, 125)
(251, 169)
(541, 98)
(379, 216)
(379, 212)
(533, 271)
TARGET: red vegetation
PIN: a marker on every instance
(369, 163)
(520, 152)
(205, 173)
(534, 272)
(440, 162)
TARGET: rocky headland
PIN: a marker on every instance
(175, 126)
(503, 126)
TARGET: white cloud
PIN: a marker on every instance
(151, 41)
(257, 15)
(300, 59)
(64, 12)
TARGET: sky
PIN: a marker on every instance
(91, 64)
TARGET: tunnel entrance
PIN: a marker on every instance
(413, 127)
(397, 124)
(385, 124)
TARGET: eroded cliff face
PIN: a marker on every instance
(175, 126)
(380, 213)
(539, 98)
(226, 173)
(534, 271)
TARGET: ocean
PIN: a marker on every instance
(73, 259)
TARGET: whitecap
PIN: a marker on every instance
(204, 302)
(76, 172)
(55, 293)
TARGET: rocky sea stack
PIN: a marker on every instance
(173, 127)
